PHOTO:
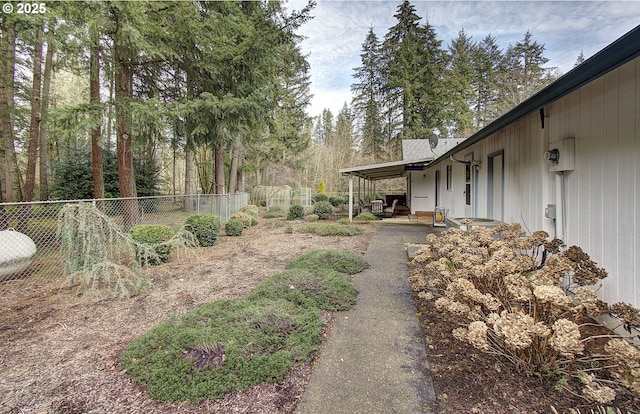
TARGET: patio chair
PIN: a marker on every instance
(388, 212)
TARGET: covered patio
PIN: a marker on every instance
(368, 175)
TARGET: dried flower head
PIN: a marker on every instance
(627, 313)
(554, 246)
(586, 271)
(538, 238)
(518, 329)
(566, 338)
(519, 287)
(478, 335)
(552, 295)
(596, 392)
(588, 300)
(627, 359)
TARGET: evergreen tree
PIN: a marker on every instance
(414, 84)
(459, 116)
(487, 60)
(522, 72)
(367, 100)
(580, 59)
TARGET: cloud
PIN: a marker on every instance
(335, 35)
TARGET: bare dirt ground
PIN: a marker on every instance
(59, 351)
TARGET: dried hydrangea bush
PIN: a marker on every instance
(527, 299)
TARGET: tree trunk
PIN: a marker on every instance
(188, 176)
(94, 99)
(235, 159)
(34, 129)
(44, 113)
(124, 94)
(4, 221)
(6, 106)
(219, 171)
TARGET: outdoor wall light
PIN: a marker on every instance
(552, 155)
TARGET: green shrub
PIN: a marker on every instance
(365, 216)
(155, 235)
(254, 221)
(337, 201)
(342, 261)
(331, 229)
(243, 217)
(326, 289)
(273, 214)
(296, 211)
(323, 209)
(205, 227)
(320, 197)
(221, 347)
(251, 210)
(233, 228)
(312, 217)
(343, 220)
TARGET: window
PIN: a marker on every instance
(449, 177)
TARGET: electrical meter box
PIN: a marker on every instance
(565, 150)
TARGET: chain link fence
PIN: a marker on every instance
(30, 252)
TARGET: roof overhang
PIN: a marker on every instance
(386, 170)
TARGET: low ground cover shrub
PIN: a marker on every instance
(224, 346)
(233, 344)
(330, 229)
(233, 228)
(274, 214)
(155, 235)
(323, 209)
(328, 290)
(296, 211)
(527, 300)
(342, 261)
(204, 227)
(312, 217)
(365, 216)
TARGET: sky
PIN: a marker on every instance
(335, 35)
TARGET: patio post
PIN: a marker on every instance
(350, 197)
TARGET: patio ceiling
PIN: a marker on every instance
(386, 170)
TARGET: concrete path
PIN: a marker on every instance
(375, 359)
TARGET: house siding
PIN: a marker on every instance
(602, 193)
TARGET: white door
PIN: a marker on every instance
(495, 186)
(470, 185)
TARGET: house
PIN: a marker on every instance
(567, 161)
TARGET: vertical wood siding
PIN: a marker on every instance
(602, 193)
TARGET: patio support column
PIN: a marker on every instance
(350, 197)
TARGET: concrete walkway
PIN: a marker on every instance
(375, 359)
